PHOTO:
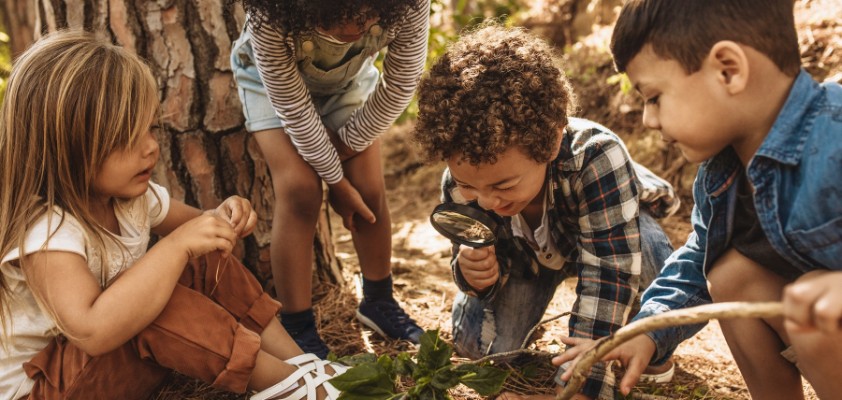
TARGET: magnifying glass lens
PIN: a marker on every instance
(464, 225)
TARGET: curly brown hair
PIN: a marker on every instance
(495, 88)
(293, 17)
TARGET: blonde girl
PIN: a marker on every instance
(87, 311)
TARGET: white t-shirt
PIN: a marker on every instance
(31, 328)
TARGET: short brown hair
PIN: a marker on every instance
(685, 30)
(495, 88)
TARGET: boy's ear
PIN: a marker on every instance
(729, 61)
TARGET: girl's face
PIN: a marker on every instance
(125, 173)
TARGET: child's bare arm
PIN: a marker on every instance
(98, 320)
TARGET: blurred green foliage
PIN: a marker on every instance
(5, 59)
(449, 17)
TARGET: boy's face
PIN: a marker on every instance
(506, 186)
(689, 110)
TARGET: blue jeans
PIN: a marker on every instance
(481, 328)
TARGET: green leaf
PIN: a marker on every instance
(430, 393)
(372, 376)
(366, 393)
(445, 378)
(434, 353)
(404, 365)
(385, 362)
(486, 380)
(354, 360)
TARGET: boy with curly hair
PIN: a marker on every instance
(316, 104)
(495, 108)
(721, 80)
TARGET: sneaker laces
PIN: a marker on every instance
(388, 315)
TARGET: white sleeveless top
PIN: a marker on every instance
(31, 328)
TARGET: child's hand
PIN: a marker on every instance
(347, 202)
(203, 234)
(345, 151)
(814, 301)
(479, 266)
(634, 355)
(239, 213)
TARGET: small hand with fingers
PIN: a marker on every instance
(347, 202)
(239, 213)
(814, 302)
(204, 234)
(479, 266)
(634, 355)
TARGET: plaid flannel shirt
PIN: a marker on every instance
(596, 194)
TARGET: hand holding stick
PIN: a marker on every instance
(685, 316)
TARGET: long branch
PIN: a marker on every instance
(685, 316)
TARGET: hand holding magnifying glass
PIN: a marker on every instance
(479, 230)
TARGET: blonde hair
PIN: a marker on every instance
(71, 100)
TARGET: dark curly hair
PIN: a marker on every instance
(495, 88)
(293, 17)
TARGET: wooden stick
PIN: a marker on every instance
(685, 316)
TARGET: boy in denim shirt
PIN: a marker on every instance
(722, 80)
(495, 109)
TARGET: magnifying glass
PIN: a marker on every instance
(466, 224)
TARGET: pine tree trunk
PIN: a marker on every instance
(206, 154)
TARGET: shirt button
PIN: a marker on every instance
(307, 46)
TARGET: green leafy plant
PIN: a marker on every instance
(374, 378)
(5, 61)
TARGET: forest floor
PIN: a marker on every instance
(420, 259)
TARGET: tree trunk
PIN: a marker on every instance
(206, 154)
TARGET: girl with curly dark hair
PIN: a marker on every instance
(316, 105)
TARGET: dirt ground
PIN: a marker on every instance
(705, 368)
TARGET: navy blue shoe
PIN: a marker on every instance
(387, 318)
(308, 339)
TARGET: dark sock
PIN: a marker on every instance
(377, 290)
(298, 321)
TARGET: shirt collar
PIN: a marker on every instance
(785, 141)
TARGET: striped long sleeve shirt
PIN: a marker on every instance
(274, 55)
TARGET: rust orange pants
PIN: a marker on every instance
(209, 330)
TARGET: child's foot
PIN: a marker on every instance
(386, 317)
(308, 339)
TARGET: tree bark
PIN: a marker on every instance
(206, 154)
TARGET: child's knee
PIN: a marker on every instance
(729, 276)
(735, 277)
(302, 196)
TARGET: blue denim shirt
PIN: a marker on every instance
(797, 176)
